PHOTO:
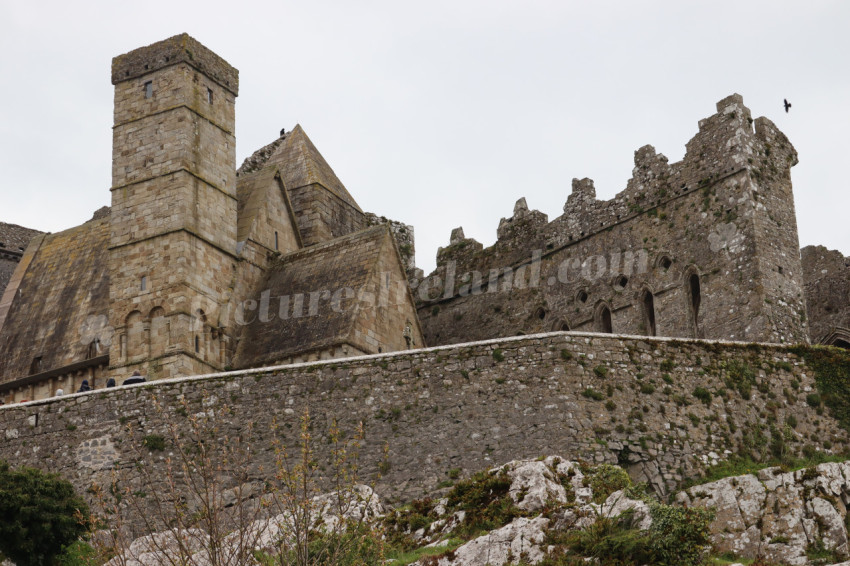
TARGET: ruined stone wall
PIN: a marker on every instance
(706, 247)
(827, 277)
(14, 240)
(662, 408)
(404, 239)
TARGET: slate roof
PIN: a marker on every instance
(66, 282)
(348, 261)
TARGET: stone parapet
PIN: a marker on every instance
(178, 49)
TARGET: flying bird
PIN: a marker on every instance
(787, 105)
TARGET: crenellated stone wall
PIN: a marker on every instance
(706, 247)
(662, 408)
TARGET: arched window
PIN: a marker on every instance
(648, 303)
(603, 319)
(694, 300)
(135, 334)
(159, 334)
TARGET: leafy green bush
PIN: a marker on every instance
(40, 515)
(680, 536)
(485, 499)
(677, 537)
(740, 376)
(591, 393)
(703, 395)
(604, 480)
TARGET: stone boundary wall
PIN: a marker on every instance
(449, 411)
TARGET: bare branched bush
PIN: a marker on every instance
(195, 494)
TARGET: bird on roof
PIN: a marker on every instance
(787, 105)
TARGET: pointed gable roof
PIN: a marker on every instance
(300, 164)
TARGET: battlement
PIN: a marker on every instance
(178, 49)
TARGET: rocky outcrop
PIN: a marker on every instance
(783, 518)
(780, 516)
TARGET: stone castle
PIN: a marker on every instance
(199, 267)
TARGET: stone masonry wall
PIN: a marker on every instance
(663, 408)
(827, 276)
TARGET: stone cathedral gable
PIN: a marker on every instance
(330, 300)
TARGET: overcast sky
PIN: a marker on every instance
(440, 113)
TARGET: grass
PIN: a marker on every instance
(402, 558)
(740, 466)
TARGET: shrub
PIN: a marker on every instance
(679, 535)
(703, 395)
(566, 355)
(647, 388)
(600, 371)
(40, 515)
(485, 499)
(604, 480)
(591, 393)
(154, 442)
(498, 355)
(740, 376)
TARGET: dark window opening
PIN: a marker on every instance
(209, 95)
(276, 248)
(665, 263)
(695, 300)
(197, 344)
(649, 313)
(604, 320)
(540, 313)
(36, 365)
(841, 344)
(582, 296)
(620, 282)
(779, 268)
(94, 348)
(149, 89)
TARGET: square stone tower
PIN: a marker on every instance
(173, 225)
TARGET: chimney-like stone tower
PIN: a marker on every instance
(173, 239)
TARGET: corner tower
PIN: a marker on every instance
(173, 226)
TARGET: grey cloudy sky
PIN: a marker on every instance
(440, 113)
